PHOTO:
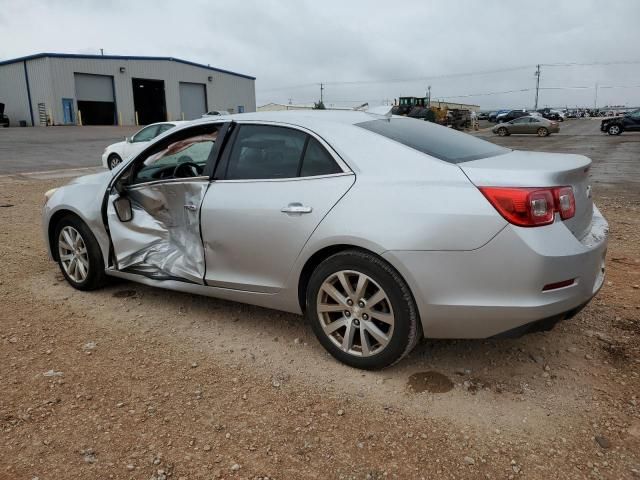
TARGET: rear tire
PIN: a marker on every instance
(543, 132)
(79, 255)
(362, 311)
(503, 132)
(113, 161)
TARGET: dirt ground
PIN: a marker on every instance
(132, 382)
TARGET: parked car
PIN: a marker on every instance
(483, 116)
(214, 113)
(551, 114)
(115, 153)
(629, 122)
(265, 208)
(511, 115)
(533, 125)
(4, 120)
(493, 116)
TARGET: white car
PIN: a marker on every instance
(214, 113)
(115, 153)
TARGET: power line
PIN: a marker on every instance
(432, 77)
(399, 80)
(590, 64)
(488, 93)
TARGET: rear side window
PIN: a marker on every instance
(270, 152)
(317, 161)
(439, 142)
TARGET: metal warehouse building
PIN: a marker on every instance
(64, 89)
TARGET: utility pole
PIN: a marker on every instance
(102, 52)
(537, 74)
(428, 96)
(321, 90)
(595, 100)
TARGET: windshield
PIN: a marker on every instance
(439, 142)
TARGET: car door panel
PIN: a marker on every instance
(250, 243)
(165, 187)
(632, 122)
(162, 240)
(515, 127)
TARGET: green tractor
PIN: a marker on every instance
(415, 107)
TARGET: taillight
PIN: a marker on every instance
(565, 202)
(531, 207)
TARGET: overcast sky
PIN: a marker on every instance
(293, 45)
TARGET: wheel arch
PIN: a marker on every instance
(51, 227)
(110, 156)
(322, 254)
(620, 125)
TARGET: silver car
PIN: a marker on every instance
(379, 229)
(532, 124)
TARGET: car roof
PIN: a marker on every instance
(303, 118)
(171, 122)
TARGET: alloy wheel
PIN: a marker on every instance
(355, 313)
(73, 254)
(113, 162)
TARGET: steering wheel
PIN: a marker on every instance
(187, 169)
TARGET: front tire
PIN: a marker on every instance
(79, 255)
(113, 161)
(614, 130)
(361, 310)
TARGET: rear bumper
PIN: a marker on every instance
(543, 325)
(499, 287)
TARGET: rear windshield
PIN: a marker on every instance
(435, 140)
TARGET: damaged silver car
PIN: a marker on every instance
(379, 229)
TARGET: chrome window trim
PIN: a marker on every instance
(287, 179)
(336, 157)
(167, 180)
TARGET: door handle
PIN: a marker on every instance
(296, 208)
(191, 207)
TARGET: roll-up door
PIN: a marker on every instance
(96, 103)
(193, 100)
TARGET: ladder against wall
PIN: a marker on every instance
(42, 114)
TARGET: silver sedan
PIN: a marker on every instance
(531, 124)
(380, 229)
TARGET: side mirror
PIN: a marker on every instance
(122, 206)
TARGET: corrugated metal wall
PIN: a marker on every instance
(52, 78)
(13, 93)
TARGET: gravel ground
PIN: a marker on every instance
(132, 382)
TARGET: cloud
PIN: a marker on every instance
(305, 42)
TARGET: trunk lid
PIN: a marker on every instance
(538, 169)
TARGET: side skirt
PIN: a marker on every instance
(267, 300)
